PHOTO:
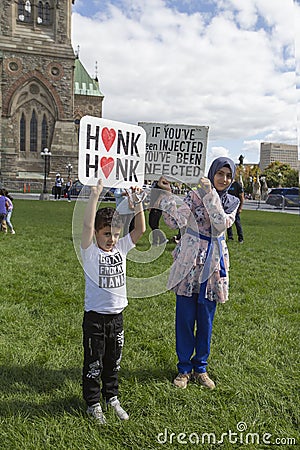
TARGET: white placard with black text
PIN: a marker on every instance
(175, 151)
(113, 151)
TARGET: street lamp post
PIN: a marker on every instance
(69, 167)
(46, 154)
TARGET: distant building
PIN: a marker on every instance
(284, 153)
(44, 90)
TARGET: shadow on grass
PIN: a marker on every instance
(32, 391)
(146, 374)
(35, 391)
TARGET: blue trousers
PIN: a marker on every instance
(193, 345)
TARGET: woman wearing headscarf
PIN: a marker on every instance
(199, 274)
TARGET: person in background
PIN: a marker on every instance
(125, 208)
(237, 190)
(199, 274)
(9, 208)
(68, 188)
(158, 237)
(104, 262)
(3, 211)
(119, 195)
(58, 186)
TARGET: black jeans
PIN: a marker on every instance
(239, 229)
(57, 192)
(154, 218)
(103, 339)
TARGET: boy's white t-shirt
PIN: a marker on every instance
(105, 277)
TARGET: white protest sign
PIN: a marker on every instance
(113, 151)
(178, 152)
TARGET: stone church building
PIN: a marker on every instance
(44, 91)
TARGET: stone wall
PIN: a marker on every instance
(37, 68)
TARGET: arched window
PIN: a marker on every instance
(40, 17)
(43, 13)
(33, 132)
(47, 14)
(45, 133)
(22, 133)
(21, 10)
(24, 11)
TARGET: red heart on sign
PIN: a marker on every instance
(107, 165)
(108, 137)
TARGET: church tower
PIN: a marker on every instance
(37, 84)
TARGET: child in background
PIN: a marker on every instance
(104, 263)
(3, 211)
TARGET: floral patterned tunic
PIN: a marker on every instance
(204, 220)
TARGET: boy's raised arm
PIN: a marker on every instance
(139, 220)
(89, 215)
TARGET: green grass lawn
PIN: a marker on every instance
(254, 358)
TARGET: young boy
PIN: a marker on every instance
(104, 265)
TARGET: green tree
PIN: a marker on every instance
(280, 174)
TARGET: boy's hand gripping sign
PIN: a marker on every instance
(113, 151)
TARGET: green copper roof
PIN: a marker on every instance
(83, 83)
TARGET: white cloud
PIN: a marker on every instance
(281, 136)
(216, 152)
(157, 64)
(251, 150)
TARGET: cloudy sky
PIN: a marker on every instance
(228, 64)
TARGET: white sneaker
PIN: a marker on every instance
(120, 412)
(95, 411)
(13, 232)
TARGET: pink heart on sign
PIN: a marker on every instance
(108, 137)
(107, 165)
